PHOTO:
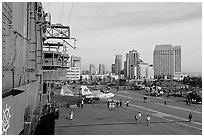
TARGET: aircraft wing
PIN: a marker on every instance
(105, 96)
(85, 91)
(95, 94)
(65, 91)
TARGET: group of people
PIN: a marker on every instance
(119, 103)
(111, 104)
(80, 104)
(138, 117)
(188, 101)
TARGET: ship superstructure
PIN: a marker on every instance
(27, 68)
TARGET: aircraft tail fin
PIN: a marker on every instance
(85, 91)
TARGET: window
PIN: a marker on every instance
(44, 88)
(48, 55)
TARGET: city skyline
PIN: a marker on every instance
(106, 29)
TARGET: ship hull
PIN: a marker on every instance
(21, 108)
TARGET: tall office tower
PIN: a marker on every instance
(92, 70)
(177, 61)
(118, 64)
(102, 69)
(113, 68)
(163, 59)
(125, 69)
(132, 61)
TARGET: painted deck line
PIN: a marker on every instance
(159, 111)
(166, 106)
(180, 108)
(169, 120)
(185, 124)
(96, 124)
(121, 123)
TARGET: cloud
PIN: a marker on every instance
(110, 15)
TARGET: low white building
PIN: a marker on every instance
(73, 73)
(150, 72)
(114, 76)
(179, 76)
(145, 71)
(142, 70)
(85, 77)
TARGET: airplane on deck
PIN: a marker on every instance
(65, 91)
(91, 94)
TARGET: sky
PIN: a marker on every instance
(104, 29)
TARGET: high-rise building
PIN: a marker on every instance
(177, 58)
(118, 64)
(102, 69)
(92, 69)
(132, 61)
(125, 69)
(113, 68)
(167, 61)
(177, 61)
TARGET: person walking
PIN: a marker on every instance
(136, 118)
(145, 99)
(91, 100)
(117, 104)
(148, 120)
(78, 104)
(165, 103)
(190, 102)
(190, 117)
(121, 103)
(82, 104)
(186, 101)
(139, 116)
(127, 103)
(110, 106)
(71, 116)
